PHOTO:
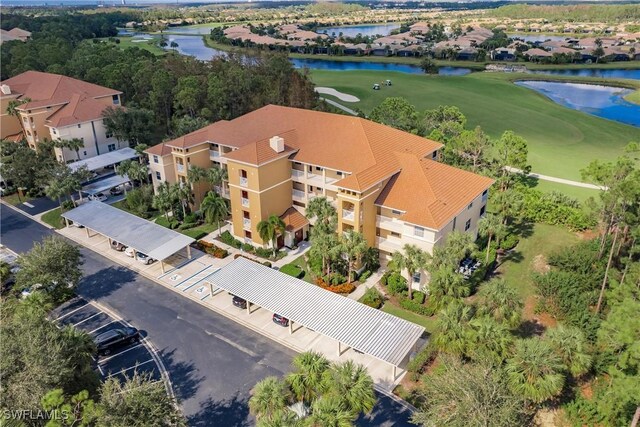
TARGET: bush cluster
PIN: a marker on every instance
(417, 364)
(396, 284)
(227, 238)
(212, 249)
(372, 298)
(344, 288)
(364, 276)
(556, 209)
(416, 307)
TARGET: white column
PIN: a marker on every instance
(189, 251)
(290, 326)
(324, 181)
(248, 307)
(162, 266)
(339, 352)
(87, 230)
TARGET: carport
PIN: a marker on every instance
(117, 225)
(348, 322)
(111, 158)
(106, 184)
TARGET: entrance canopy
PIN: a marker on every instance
(105, 184)
(104, 160)
(144, 236)
(349, 322)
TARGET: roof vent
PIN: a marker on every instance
(277, 144)
(6, 90)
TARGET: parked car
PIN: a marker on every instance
(116, 191)
(98, 197)
(28, 291)
(239, 302)
(468, 266)
(130, 252)
(280, 320)
(110, 340)
(144, 258)
(118, 246)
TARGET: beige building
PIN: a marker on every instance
(55, 107)
(385, 183)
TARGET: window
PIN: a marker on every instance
(418, 231)
(245, 195)
(482, 210)
(339, 173)
(111, 147)
(467, 225)
(158, 176)
(318, 168)
(108, 134)
(243, 173)
(246, 215)
(115, 99)
(434, 155)
(416, 278)
(247, 234)
(485, 193)
(395, 212)
(79, 125)
(454, 223)
(85, 153)
(155, 159)
(470, 206)
(187, 150)
(394, 234)
(53, 130)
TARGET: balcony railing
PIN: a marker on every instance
(214, 154)
(244, 181)
(298, 195)
(245, 202)
(246, 222)
(348, 214)
(180, 167)
(390, 224)
(296, 174)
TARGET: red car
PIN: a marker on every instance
(282, 321)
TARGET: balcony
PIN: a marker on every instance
(214, 154)
(244, 182)
(297, 175)
(246, 223)
(348, 214)
(390, 224)
(298, 195)
(390, 244)
(245, 202)
(180, 168)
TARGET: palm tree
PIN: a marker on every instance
(352, 246)
(329, 411)
(453, 329)
(353, 385)
(490, 226)
(214, 209)
(502, 302)
(447, 286)
(164, 199)
(269, 230)
(413, 260)
(269, 398)
(140, 148)
(195, 174)
(324, 245)
(12, 106)
(184, 195)
(55, 190)
(569, 343)
(73, 144)
(534, 370)
(138, 172)
(325, 214)
(308, 380)
(491, 340)
(217, 177)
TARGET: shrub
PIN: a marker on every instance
(191, 218)
(267, 264)
(334, 279)
(364, 276)
(248, 248)
(187, 225)
(227, 238)
(417, 364)
(67, 205)
(264, 252)
(212, 249)
(415, 307)
(220, 253)
(419, 297)
(372, 298)
(385, 278)
(292, 270)
(396, 284)
(345, 288)
(509, 242)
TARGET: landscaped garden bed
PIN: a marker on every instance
(268, 254)
(212, 249)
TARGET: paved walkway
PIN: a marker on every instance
(340, 106)
(340, 95)
(558, 180)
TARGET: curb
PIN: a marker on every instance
(33, 218)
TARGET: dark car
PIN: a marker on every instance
(117, 246)
(116, 191)
(280, 320)
(110, 340)
(239, 302)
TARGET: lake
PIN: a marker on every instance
(323, 64)
(602, 101)
(365, 30)
(605, 73)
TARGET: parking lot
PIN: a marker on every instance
(124, 361)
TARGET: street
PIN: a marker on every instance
(212, 361)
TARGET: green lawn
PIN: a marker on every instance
(634, 97)
(302, 263)
(543, 240)
(14, 200)
(428, 323)
(53, 218)
(196, 232)
(561, 140)
(579, 193)
(150, 45)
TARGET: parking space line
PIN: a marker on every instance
(84, 320)
(232, 343)
(106, 324)
(71, 312)
(123, 351)
(128, 369)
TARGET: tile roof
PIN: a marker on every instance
(46, 89)
(79, 109)
(261, 152)
(293, 219)
(430, 192)
(161, 149)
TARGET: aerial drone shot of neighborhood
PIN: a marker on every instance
(319, 213)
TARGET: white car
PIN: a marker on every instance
(144, 258)
(130, 252)
(98, 197)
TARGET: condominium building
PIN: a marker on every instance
(385, 183)
(54, 107)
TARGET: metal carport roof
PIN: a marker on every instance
(106, 159)
(105, 184)
(144, 236)
(361, 327)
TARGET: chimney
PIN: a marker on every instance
(6, 90)
(277, 144)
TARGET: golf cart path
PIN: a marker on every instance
(340, 95)
(558, 180)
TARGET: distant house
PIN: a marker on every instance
(537, 54)
(14, 34)
(503, 54)
(467, 54)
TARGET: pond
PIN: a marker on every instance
(365, 30)
(602, 101)
(323, 64)
(604, 73)
(193, 46)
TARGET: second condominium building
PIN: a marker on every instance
(385, 183)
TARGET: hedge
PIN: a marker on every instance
(396, 284)
(416, 307)
(292, 270)
(227, 238)
(416, 366)
(212, 249)
(419, 297)
(345, 288)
